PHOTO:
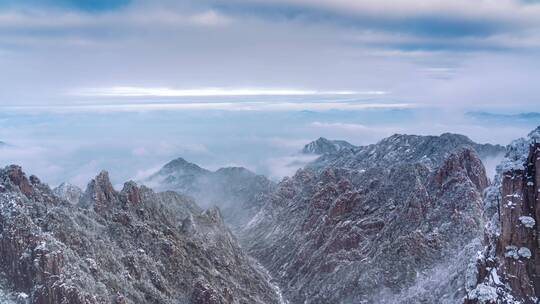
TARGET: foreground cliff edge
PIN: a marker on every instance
(508, 269)
(132, 246)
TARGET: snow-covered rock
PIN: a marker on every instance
(511, 234)
(69, 192)
(118, 247)
(527, 221)
(394, 222)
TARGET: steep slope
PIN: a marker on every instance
(509, 267)
(132, 246)
(393, 222)
(238, 192)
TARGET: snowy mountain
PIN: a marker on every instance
(393, 222)
(429, 150)
(132, 246)
(238, 192)
(324, 146)
(400, 221)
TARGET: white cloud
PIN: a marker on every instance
(211, 18)
(143, 174)
(224, 106)
(161, 148)
(160, 47)
(288, 165)
(289, 143)
(340, 126)
(205, 92)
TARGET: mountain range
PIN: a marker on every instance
(410, 219)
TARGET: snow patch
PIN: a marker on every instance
(515, 253)
(524, 252)
(483, 293)
(527, 221)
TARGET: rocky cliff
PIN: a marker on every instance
(131, 246)
(394, 222)
(509, 267)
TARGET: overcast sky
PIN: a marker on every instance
(127, 85)
(450, 53)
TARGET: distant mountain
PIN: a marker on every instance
(324, 146)
(132, 246)
(393, 222)
(238, 192)
(430, 150)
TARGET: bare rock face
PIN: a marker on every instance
(394, 222)
(509, 267)
(117, 247)
(100, 193)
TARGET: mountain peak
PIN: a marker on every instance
(18, 178)
(131, 192)
(323, 145)
(182, 164)
(99, 192)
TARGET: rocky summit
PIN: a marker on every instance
(108, 246)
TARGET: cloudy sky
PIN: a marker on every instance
(441, 52)
(125, 85)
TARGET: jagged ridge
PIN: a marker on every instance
(132, 246)
(377, 224)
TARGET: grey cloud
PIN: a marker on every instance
(186, 45)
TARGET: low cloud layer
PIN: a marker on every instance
(76, 146)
